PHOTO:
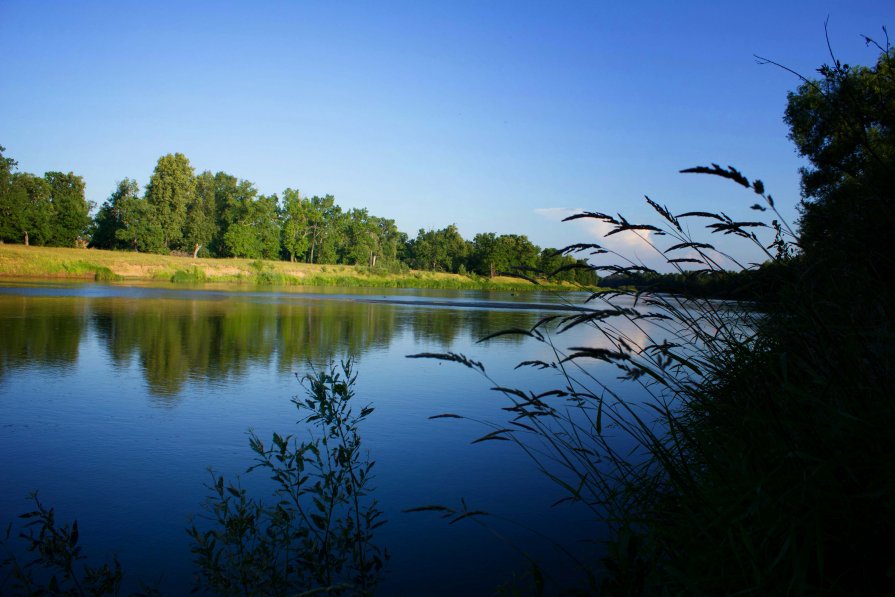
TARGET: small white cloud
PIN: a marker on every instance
(623, 242)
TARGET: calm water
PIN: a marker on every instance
(115, 401)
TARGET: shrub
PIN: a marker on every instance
(316, 534)
(54, 569)
(193, 275)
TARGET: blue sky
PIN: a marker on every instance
(494, 116)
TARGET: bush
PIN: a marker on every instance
(57, 566)
(194, 275)
(316, 533)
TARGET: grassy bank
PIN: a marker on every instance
(18, 261)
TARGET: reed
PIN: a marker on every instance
(762, 459)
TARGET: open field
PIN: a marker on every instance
(19, 261)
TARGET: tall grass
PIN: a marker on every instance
(760, 457)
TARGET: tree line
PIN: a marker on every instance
(219, 215)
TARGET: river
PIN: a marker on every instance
(115, 400)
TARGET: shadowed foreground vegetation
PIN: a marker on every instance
(763, 460)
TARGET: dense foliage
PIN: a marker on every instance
(49, 210)
(218, 215)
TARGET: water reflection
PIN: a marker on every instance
(39, 331)
(177, 340)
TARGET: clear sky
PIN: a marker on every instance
(496, 116)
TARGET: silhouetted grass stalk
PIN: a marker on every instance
(694, 506)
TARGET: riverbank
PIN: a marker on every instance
(19, 261)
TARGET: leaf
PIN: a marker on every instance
(593, 215)
(577, 247)
(506, 332)
(449, 356)
(686, 260)
(511, 391)
(600, 354)
(430, 508)
(535, 363)
(731, 173)
(635, 227)
(494, 435)
(447, 416)
(691, 245)
(468, 514)
(700, 214)
(664, 212)
(571, 266)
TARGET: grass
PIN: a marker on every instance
(18, 261)
(763, 460)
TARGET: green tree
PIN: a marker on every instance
(28, 212)
(552, 260)
(231, 197)
(323, 217)
(266, 218)
(389, 239)
(844, 124)
(71, 212)
(439, 250)
(171, 190)
(492, 254)
(202, 220)
(8, 230)
(369, 240)
(140, 230)
(110, 219)
(256, 233)
(295, 227)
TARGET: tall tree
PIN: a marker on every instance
(492, 254)
(255, 233)
(439, 250)
(295, 227)
(140, 230)
(170, 192)
(388, 239)
(110, 218)
(361, 238)
(8, 230)
(483, 259)
(71, 212)
(231, 197)
(202, 221)
(844, 124)
(32, 212)
(266, 219)
(324, 219)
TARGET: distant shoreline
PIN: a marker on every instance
(18, 262)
